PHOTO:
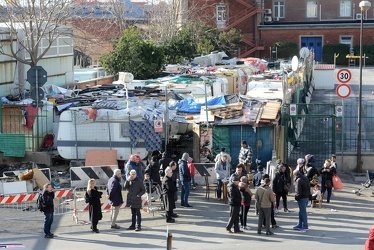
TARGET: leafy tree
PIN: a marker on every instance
(229, 41)
(287, 49)
(131, 53)
(179, 47)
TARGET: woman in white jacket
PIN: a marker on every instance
(222, 169)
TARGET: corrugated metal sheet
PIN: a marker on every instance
(13, 145)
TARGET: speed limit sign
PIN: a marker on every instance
(344, 75)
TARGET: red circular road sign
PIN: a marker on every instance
(343, 90)
(344, 75)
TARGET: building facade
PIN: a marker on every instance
(311, 24)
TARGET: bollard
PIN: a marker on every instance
(169, 241)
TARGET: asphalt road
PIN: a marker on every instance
(343, 224)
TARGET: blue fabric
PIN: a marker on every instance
(303, 217)
(145, 130)
(190, 106)
(48, 220)
(186, 185)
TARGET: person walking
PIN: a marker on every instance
(302, 194)
(169, 189)
(234, 202)
(327, 173)
(114, 192)
(222, 168)
(49, 207)
(245, 156)
(265, 197)
(94, 197)
(185, 178)
(280, 187)
(136, 189)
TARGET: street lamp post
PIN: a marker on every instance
(364, 6)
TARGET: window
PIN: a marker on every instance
(311, 9)
(346, 40)
(221, 16)
(279, 9)
(221, 13)
(345, 8)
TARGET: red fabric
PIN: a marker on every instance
(369, 245)
(32, 112)
(191, 167)
(337, 183)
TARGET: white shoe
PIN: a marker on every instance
(309, 204)
(275, 210)
(246, 228)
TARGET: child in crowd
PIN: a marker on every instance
(191, 168)
(316, 192)
(246, 201)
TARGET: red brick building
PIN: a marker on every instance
(309, 23)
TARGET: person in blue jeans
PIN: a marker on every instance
(302, 194)
(222, 168)
(48, 196)
(185, 178)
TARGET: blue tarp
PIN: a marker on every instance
(190, 106)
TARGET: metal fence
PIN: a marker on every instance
(347, 127)
(31, 121)
(16, 206)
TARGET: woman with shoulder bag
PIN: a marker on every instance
(281, 186)
(94, 197)
(327, 172)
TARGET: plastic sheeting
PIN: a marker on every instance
(190, 106)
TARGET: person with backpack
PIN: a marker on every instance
(48, 208)
(93, 198)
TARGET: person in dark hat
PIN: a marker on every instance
(258, 177)
(333, 162)
(235, 199)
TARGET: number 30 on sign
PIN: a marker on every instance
(344, 75)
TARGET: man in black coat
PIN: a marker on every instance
(164, 163)
(48, 196)
(169, 189)
(235, 199)
(114, 192)
(153, 169)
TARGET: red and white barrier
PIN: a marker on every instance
(104, 206)
(17, 198)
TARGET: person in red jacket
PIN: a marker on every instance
(369, 245)
(191, 167)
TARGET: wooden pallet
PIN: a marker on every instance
(226, 113)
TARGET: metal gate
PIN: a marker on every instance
(309, 129)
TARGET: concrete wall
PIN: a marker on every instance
(348, 162)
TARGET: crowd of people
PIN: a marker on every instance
(166, 174)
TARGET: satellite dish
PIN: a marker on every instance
(304, 52)
(294, 63)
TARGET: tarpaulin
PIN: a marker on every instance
(190, 106)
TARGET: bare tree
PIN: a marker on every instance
(32, 27)
(166, 18)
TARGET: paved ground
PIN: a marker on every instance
(342, 224)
